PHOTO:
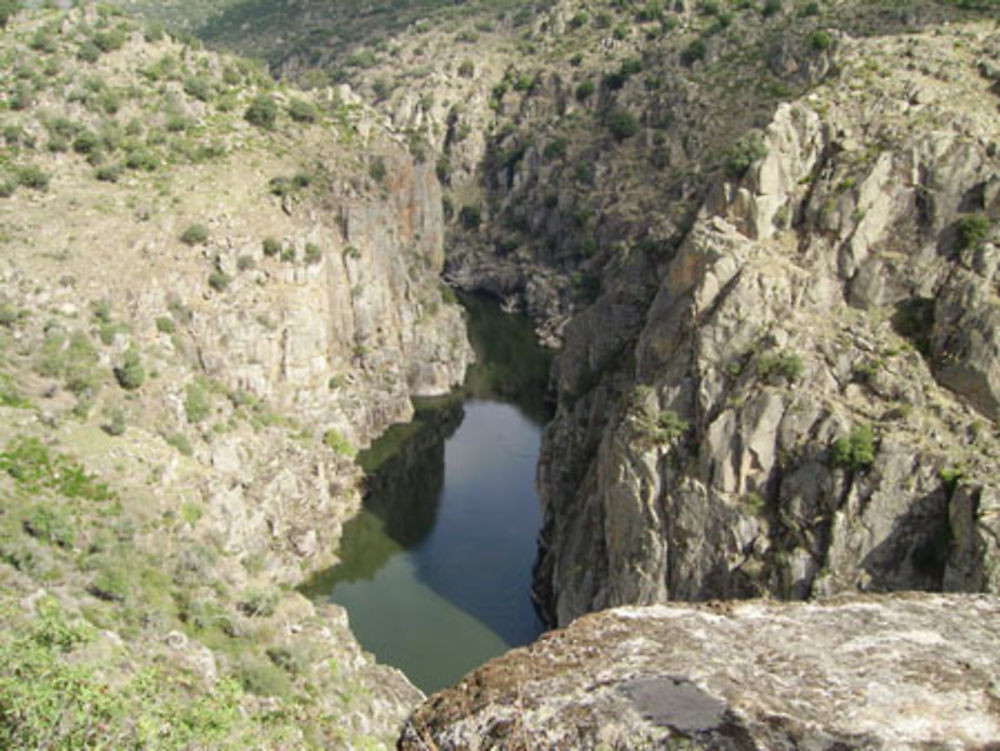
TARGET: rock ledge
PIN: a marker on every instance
(899, 672)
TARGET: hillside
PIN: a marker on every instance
(213, 291)
(762, 237)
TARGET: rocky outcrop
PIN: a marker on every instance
(901, 673)
(212, 316)
(811, 403)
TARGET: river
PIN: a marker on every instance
(435, 572)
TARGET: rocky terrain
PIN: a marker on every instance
(807, 407)
(212, 292)
(902, 673)
(762, 236)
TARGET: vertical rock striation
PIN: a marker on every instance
(811, 402)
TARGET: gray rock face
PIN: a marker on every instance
(807, 406)
(898, 672)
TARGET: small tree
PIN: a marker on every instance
(196, 234)
(302, 111)
(131, 374)
(262, 112)
(622, 123)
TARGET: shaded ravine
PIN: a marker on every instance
(435, 571)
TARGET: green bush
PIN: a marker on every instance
(470, 216)
(973, 229)
(197, 87)
(51, 524)
(131, 374)
(313, 254)
(219, 280)
(694, 52)
(196, 234)
(773, 366)
(262, 678)
(820, 40)
(302, 111)
(856, 450)
(585, 90)
(743, 153)
(336, 441)
(197, 404)
(259, 602)
(32, 177)
(271, 246)
(262, 112)
(377, 170)
(622, 123)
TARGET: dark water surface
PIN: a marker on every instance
(436, 570)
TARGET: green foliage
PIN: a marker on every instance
(196, 234)
(35, 468)
(263, 678)
(165, 325)
(772, 366)
(271, 246)
(377, 169)
(57, 701)
(262, 112)
(219, 280)
(197, 403)
(115, 425)
(622, 123)
(470, 216)
(771, 8)
(973, 229)
(259, 602)
(198, 87)
(52, 524)
(313, 254)
(820, 40)
(467, 69)
(10, 396)
(856, 450)
(694, 52)
(32, 177)
(131, 374)
(7, 9)
(743, 153)
(71, 358)
(180, 441)
(585, 90)
(302, 111)
(336, 441)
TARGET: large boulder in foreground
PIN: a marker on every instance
(897, 672)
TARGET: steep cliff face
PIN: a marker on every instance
(212, 293)
(809, 405)
(874, 673)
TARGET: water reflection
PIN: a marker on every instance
(436, 570)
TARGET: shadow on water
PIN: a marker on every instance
(436, 569)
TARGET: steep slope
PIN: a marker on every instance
(212, 292)
(810, 405)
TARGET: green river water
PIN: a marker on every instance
(436, 570)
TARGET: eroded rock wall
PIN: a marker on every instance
(809, 405)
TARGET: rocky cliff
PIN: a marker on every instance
(901, 673)
(213, 291)
(808, 406)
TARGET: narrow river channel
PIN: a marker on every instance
(436, 570)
